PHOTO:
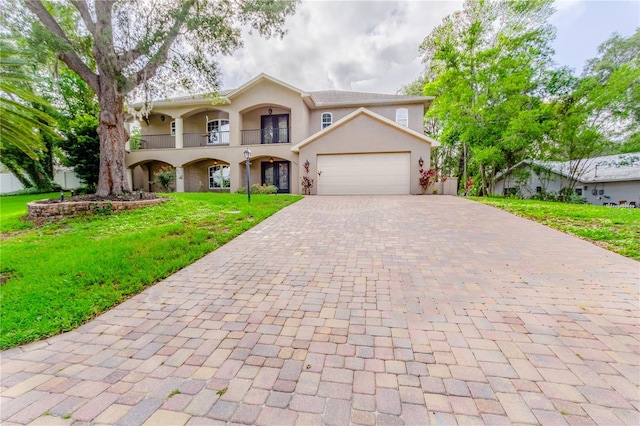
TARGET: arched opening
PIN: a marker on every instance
(207, 175)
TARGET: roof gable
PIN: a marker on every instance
(364, 112)
(260, 79)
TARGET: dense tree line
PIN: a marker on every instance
(499, 98)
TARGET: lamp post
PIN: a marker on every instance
(247, 156)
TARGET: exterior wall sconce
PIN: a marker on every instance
(421, 162)
(162, 118)
(270, 111)
(215, 162)
(271, 160)
(247, 156)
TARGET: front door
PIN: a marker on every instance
(276, 173)
(275, 128)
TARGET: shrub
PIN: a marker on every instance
(427, 178)
(565, 195)
(165, 177)
(307, 182)
(259, 189)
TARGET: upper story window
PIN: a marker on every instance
(402, 117)
(327, 119)
(218, 131)
(173, 128)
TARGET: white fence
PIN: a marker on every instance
(9, 183)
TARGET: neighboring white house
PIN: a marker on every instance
(600, 180)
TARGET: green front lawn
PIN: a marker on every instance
(60, 275)
(615, 229)
(14, 207)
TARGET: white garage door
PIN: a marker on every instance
(364, 174)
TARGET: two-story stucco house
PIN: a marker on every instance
(355, 143)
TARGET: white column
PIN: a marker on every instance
(130, 179)
(179, 135)
(179, 178)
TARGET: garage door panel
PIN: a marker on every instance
(364, 174)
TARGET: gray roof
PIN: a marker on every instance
(339, 97)
(609, 168)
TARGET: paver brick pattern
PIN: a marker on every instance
(363, 310)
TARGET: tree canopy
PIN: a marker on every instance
(499, 97)
(125, 49)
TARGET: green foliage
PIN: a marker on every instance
(499, 98)
(20, 120)
(82, 146)
(617, 230)
(26, 134)
(259, 189)
(165, 177)
(128, 50)
(89, 264)
(485, 65)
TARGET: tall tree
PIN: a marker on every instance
(26, 133)
(485, 65)
(138, 46)
(601, 110)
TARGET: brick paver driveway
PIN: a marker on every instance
(384, 310)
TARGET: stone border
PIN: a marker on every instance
(44, 211)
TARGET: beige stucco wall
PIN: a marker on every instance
(256, 101)
(416, 113)
(364, 134)
(361, 135)
(234, 156)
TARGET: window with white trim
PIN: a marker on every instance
(218, 131)
(402, 117)
(173, 128)
(327, 120)
(219, 177)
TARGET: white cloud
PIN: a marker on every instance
(355, 45)
(373, 45)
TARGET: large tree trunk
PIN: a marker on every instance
(112, 179)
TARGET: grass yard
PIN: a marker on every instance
(615, 229)
(60, 275)
(14, 207)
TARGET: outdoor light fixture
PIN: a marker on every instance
(271, 160)
(215, 162)
(162, 117)
(421, 162)
(247, 156)
(270, 111)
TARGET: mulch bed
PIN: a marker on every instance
(130, 196)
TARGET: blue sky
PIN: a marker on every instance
(373, 45)
(583, 25)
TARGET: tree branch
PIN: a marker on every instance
(104, 51)
(81, 5)
(160, 57)
(68, 56)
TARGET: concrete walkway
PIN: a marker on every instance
(362, 310)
